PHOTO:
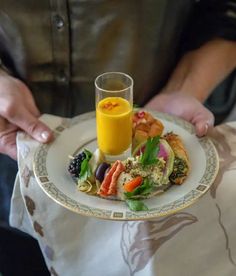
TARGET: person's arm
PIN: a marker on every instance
(210, 45)
(201, 70)
(212, 33)
(194, 78)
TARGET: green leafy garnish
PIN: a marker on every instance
(151, 150)
(136, 205)
(136, 107)
(144, 189)
(85, 170)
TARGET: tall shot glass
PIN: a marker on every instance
(114, 104)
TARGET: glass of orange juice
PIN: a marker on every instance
(114, 104)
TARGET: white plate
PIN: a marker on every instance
(51, 162)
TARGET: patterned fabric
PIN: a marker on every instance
(199, 240)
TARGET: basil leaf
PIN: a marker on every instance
(88, 154)
(151, 150)
(83, 177)
(136, 205)
(85, 170)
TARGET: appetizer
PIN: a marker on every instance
(157, 162)
(181, 162)
(144, 126)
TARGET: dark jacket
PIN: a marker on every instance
(59, 47)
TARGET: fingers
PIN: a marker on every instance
(204, 123)
(23, 113)
(18, 111)
(9, 149)
(186, 107)
(30, 124)
(33, 126)
(201, 128)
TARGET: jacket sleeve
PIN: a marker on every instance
(211, 19)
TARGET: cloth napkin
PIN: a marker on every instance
(199, 240)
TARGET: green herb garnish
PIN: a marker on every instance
(136, 107)
(151, 150)
(144, 189)
(136, 205)
(85, 170)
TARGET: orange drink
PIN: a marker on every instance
(114, 103)
(114, 125)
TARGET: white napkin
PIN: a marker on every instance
(200, 240)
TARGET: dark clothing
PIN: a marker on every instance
(8, 170)
(59, 47)
(20, 254)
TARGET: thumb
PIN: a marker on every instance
(202, 126)
(203, 119)
(33, 126)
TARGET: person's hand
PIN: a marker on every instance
(18, 111)
(185, 106)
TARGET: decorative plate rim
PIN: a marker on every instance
(43, 179)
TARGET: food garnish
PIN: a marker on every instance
(132, 184)
(151, 150)
(109, 105)
(157, 162)
(142, 190)
(136, 205)
(85, 169)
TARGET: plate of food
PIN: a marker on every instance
(169, 169)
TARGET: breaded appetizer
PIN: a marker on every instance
(145, 126)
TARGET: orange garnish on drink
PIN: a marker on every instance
(109, 105)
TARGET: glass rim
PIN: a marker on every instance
(118, 73)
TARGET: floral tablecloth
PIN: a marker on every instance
(199, 240)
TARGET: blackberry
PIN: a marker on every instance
(75, 164)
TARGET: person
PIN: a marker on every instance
(177, 52)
